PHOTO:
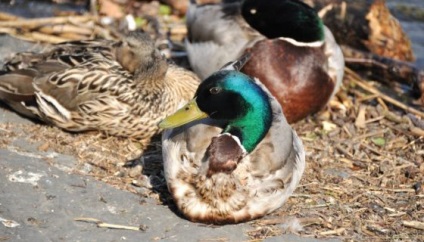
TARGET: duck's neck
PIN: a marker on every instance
(151, 74)
(147, 69)
(253, 126)
(180, 85)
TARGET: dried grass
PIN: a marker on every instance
(364, 175)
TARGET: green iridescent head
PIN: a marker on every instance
(233, 97)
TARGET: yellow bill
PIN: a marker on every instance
(190, 112)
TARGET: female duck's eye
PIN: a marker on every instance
(215, 90)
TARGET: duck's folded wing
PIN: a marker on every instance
(273, 187)
(216, 35)
(299, 162)
(209, 22)
(17, 86)
(16, 91)
(335, 58)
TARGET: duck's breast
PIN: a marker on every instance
(296, 76)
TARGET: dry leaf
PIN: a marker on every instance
(109, 8)
(360, 119)
(328, 126)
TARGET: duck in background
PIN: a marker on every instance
(229, 155)
(293, 53)
(121, 88)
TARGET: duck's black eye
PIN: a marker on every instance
(215, 90)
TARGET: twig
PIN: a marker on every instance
(73, 36)
(367, 98)
(372, 149)
(333, 232)
(414, 224)
(412, 143)
(65, 28)
(8, 17)
(32, 23)
(357, 80)
(417, 131)
(370, 134)
(374, 119)
(46, 38)
(344, 151)
(316, 206)
(102, 224)
(377, 229)
(382, 103)
(33, 36)
(397, 214)
(400, 190)
(5, 130)
(405, 132)
(10, 31)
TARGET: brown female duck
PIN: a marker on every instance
(122, 88)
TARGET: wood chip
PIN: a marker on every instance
(417, 131)
(360, 119)
(414, 224)
(333, 232)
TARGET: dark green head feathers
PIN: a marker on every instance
(234, 97)
(300, 22)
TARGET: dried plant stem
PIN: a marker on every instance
(414, 224)
(66, 28)
(8, 17)
(358, 81)
(333, 232)
(46, 38)
(32, 23)
(102, 224)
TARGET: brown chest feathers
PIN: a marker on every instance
(224, 153)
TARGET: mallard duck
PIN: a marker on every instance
(293, 53)
(235, 158)
(122, 88)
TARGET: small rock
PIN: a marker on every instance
(135, 171)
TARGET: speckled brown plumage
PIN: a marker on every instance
(122, 88)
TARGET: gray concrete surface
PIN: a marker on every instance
(44, 201)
